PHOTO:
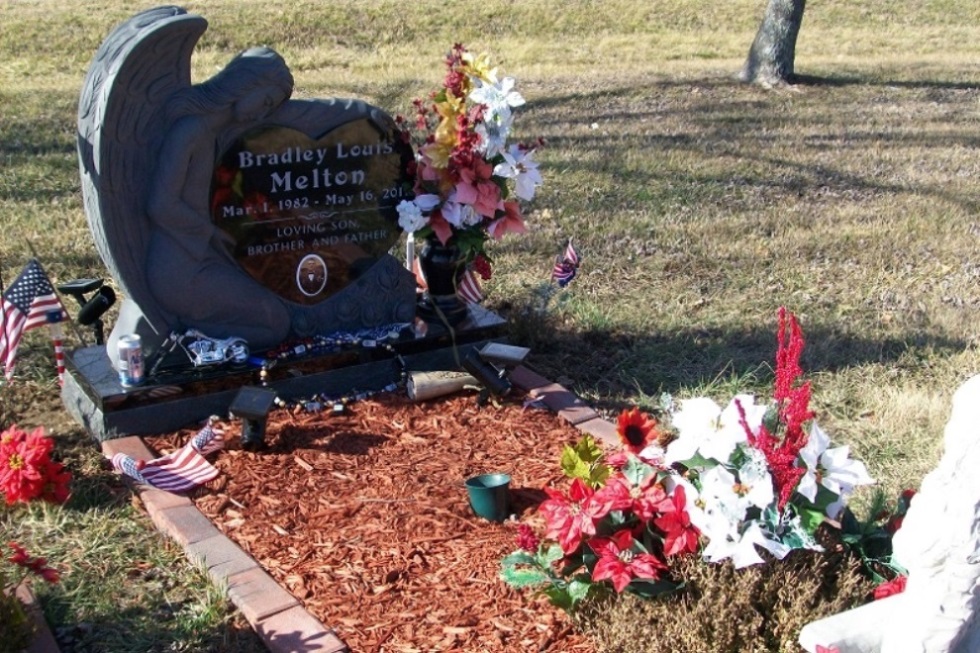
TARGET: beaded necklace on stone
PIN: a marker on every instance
(376, 338)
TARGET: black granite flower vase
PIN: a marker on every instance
(442, 268)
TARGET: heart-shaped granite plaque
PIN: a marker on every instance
(307, 217)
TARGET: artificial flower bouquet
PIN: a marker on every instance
(27, 473)
(469, 177)
(726, 484)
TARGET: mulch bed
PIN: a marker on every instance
(364, 518)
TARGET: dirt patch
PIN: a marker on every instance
(364, 518)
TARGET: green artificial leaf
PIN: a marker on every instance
(578, 589)
(636, 471)
(573, 466)
(771, 419)
(584, 461)
(559, 597)
(810, 517)
(520, 557)
(649, 589)
(521, 569)
(550, 555)
(522, 577)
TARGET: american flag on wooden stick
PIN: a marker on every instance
(179, 471)
(566, 266)
(29, 302)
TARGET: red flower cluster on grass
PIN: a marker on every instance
(26, 469)
(652, 526)
(37, 565)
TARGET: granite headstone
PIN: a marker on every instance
(229, 208)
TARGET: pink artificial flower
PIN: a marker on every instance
(571, 519)
(617, 459)
(511, 223)
(477, 189)
(827, 649)
(440, 227)
(618, 562)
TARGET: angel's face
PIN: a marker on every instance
(259, 103)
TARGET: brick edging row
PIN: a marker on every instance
(276, 615)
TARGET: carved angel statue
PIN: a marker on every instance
(148, 142)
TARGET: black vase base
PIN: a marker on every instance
(442, 309)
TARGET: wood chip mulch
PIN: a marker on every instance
(364, 518)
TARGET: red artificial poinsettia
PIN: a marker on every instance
(569, 519)
(26, 469)
(642, 499)
(620, 563)
(680, 536)
(636, 430)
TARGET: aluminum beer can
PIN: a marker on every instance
(130, 360)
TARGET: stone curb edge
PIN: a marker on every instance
(275, 615)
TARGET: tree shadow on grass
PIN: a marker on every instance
(608, 364)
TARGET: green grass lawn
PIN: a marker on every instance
(699, 205)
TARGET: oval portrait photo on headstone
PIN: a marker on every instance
(311, 275)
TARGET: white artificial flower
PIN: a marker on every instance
(740, 547)
(755, 481)
(410, 217)
(831, 468)
(720, 495)
(498, 98)
(704, 427)
(493, 138)
(520, 166)
(459, 215)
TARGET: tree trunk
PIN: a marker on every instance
(770, 60)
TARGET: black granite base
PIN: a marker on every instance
(182, 397)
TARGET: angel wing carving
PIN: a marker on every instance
(139, 66)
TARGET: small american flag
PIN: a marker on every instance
(469, 289)
(29, 302)
(566, 266)
(179, 471)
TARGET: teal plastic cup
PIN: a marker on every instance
(490, 495)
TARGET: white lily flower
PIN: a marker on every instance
(519, 165)
(498, 98)
(493, 137)
(831, 468)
